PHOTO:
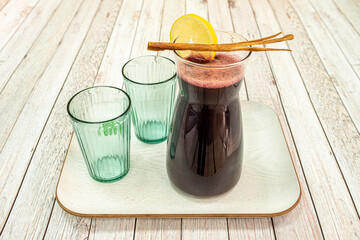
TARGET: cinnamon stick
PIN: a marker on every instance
(228, 47)
(260, 49)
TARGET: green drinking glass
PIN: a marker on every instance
(100, 117)
(150, 82)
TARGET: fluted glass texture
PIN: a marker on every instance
(150, 82)
(100, 117)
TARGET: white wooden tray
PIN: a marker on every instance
(268, 185)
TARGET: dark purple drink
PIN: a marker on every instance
(205, 145)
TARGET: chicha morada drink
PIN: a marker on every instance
(205, 145)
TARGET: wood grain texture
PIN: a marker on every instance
(19, 44)
(341, 29)
(219, 15)
(3, 3)
(105, 228)
(172, 11)
(198, 7)
(251, 228)
(66, 226)
(302, 222)
(12, 165)
(323, 56)
(338, 126)
(151, 13)
(32, 67)
(117, 54)
(342, 74)
(12, 16)
(39, 107)
(351, 10)
(160, 228)
(38, 195)
(204, 228)
(329, 192)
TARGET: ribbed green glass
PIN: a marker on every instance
(150, 82)
(100, 117)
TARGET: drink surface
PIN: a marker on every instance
(204, 154)
(224, 70)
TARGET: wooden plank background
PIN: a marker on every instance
(49, 50)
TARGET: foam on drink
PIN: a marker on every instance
(214, 74)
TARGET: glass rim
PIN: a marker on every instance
(148, 84)
(217, 66)
(98, 122)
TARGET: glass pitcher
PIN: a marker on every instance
(205, 145)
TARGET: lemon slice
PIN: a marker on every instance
(192, 28)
